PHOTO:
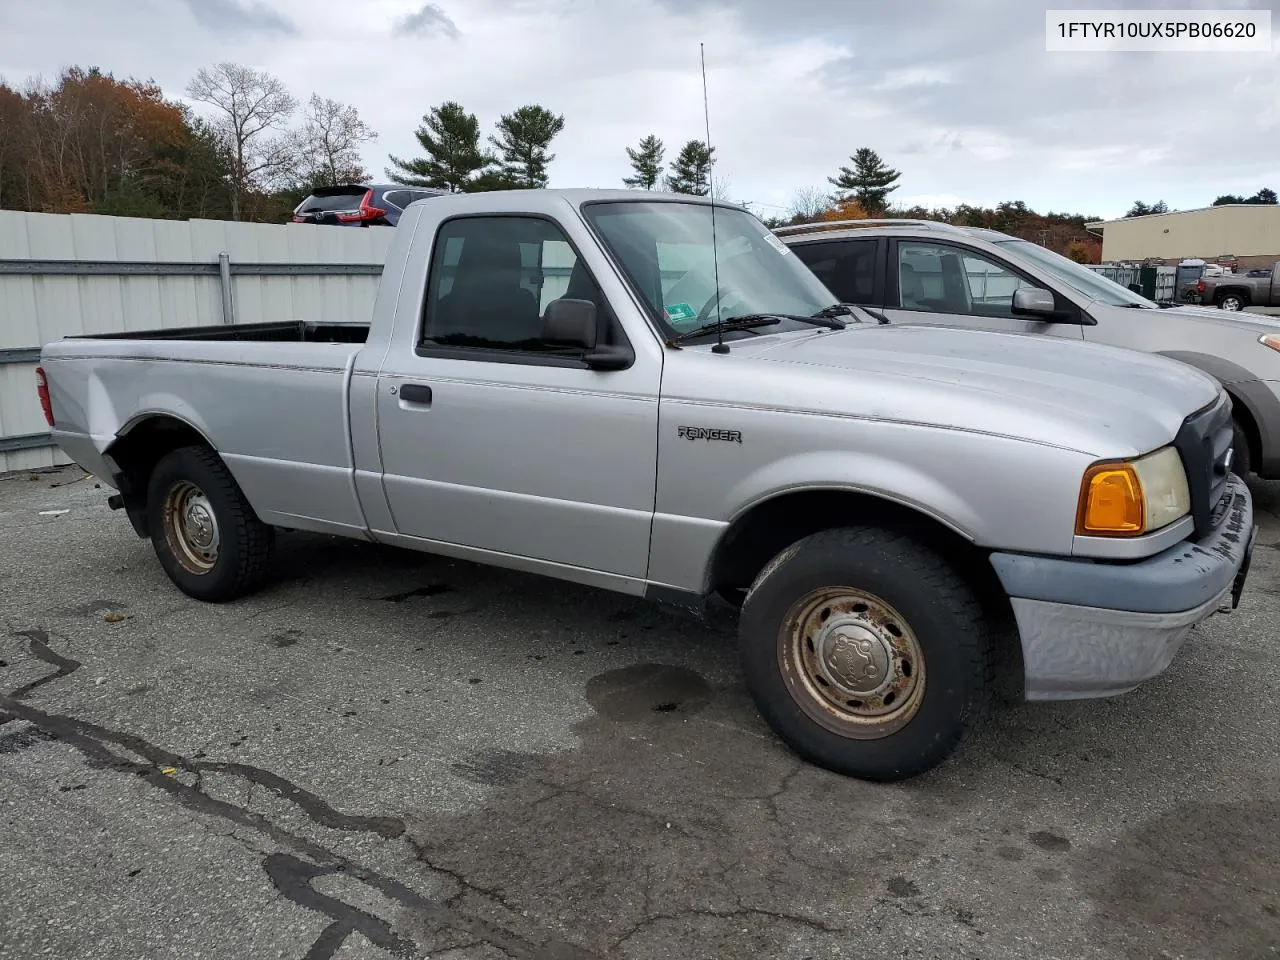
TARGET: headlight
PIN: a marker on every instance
(1132, 497)
(1271, 340)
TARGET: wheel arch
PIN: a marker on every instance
(768, 526)
(1244, 293)
(1231, 376)
(138, 447)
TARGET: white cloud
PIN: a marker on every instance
(934, 201)
(961, 108)
(913, 77)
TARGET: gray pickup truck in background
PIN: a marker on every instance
(925, 272)
(580, 384)
(1235, 291)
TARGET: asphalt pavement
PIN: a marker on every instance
(386, 754)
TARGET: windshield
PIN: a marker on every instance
(1093, 285)
(665, 249)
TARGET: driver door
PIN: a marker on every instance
(489, 438)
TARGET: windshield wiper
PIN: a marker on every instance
(819, 319)
(835, 311)
(749, 322)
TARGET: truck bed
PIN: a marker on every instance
(288, 331)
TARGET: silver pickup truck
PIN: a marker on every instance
(581, 384)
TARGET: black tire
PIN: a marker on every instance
(912, 590)
(193, 481)
(1241, 461)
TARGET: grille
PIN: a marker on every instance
(1203, 443)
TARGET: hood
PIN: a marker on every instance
(1096, 399)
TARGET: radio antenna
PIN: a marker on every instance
(720, 346)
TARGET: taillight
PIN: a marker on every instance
(365, 212)
(42, 388)
(297, 219)
(1201, 286)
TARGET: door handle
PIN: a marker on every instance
(415, 393)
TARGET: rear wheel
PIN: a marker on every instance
(1232, 301)
(205, 534)
(866, 652)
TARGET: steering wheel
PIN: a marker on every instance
(705, 313)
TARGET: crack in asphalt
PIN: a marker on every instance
(292, 876)
(39, 647)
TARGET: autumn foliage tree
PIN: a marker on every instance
(87, 142)
(92, 143)
(845, 210)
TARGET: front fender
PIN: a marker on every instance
(867, 473)
(996, 492)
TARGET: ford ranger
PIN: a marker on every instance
(649, 393)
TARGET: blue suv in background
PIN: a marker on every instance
(360, 205)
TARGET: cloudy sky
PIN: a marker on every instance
(959, 96)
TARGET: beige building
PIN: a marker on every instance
(1245, 231)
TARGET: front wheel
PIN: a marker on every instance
(205, 534)
(865, 652)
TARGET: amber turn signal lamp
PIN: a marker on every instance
(1111, 502)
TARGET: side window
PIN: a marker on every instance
(945, 279)
(492, 279)
(397, 198)
(991, 286)
(846, 267)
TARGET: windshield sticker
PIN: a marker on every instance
(679, 313)
(777, 244)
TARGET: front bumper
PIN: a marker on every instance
(1092, 629)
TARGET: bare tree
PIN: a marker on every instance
(332, 133)
(808, 204)
(253, 108)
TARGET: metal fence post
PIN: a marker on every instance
(224, 280)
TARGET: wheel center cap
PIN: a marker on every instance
(854, 658)
(199, 525)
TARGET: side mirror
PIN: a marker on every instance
(571, 323)
(1033, 301)
(575, 323)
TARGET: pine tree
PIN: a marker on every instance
(454, 159)
(522, 142)
(691, 169)
(646, 162)
(869, 182)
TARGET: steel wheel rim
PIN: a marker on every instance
(852, 662)
(191, 527)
